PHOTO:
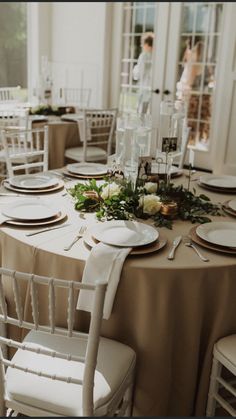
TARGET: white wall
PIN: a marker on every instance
(77, 49)
(39, 40)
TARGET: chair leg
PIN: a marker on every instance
(214, 386)
(128, 398)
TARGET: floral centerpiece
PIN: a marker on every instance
(51, 110)
(160, 201)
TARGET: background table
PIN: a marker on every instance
(61, 135)
(170, 312)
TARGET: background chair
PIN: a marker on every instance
(8, 95)
(25, 149)
(60, 371)
(224, 355)
(80, 98)
(11, 119)
(14, 118)
(96, 133)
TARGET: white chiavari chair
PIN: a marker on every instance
(14, 118)
(8, 95)
(11, 119)
(59, 371)
(224, 355)
(25, 150)
(77, 97)
(96, 133)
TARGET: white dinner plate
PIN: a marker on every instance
(36, 181)
(55, 188)
(219, 181)
(30, 209)
(219, 233)
(232, 204)
(142, 250)
(124, 233)
(90, 169)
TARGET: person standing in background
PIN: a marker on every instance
(142, 72)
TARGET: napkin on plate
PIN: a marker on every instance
(104, 264)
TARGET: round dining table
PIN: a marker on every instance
(171, 312)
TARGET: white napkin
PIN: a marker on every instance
(104, 264)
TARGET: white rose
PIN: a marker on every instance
(150, 187)
(110, 190)
(151, 204)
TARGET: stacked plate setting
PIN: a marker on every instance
(230, 207)
(86, 170)
(31, 213)
(221, 183)
(33, 184)
(142, 238)
(219, 236)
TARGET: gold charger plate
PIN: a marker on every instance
(60, 185)
(142, 250)
(74, 175)
(62, 216)
(203, 243)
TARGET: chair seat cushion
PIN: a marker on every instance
(16, 160)
(92, 153)
(115, 361)
(225, 351)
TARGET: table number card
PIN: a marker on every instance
(169, 144)
(144, 167)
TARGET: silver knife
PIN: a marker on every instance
(176, 243)
(46, 229)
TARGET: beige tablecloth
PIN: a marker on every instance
(170, 312)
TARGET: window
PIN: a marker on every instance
(13, 45)
(199, 43)
(138, 18)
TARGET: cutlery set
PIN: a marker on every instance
(187, 242)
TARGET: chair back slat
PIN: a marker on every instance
(3, 303)
(18, 301)
(34, 302)
(71, 309)
(51, 305)
(26, 149)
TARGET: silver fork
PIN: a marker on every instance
(81, 233)
(188, 242)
